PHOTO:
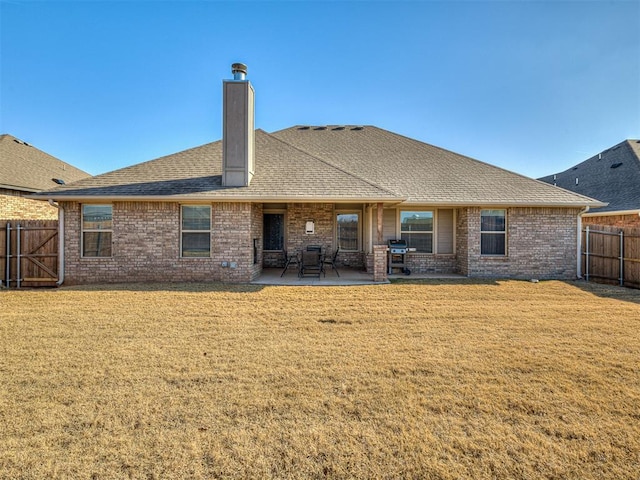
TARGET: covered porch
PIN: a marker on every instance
(346, 232)
(359, 233)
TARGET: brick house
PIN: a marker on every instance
(225, 210)
(24, 170)
(612, 176)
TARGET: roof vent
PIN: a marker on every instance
(574, 168)
(239, 71)
(303, 128)
(59, 181)
(616, 165)
(320, 128)
(357, 128)
(338, 128)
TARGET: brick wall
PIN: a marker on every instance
(323, 214)
(146, 245)
(462, 241)
(350, 259)
(368, 259)
(256, 239)
(541, 243)
(613, 220)
(297, 216)
(296, 239)
(273, 259)
(427, 263)
(14, 206)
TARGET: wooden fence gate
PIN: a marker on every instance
(611, 255)
(29, 253)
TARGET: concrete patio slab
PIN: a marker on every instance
(348, 276)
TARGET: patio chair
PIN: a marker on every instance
(331, 261)
(289, 260)
(317, 248)
(311, 264)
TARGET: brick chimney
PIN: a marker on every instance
(237, 129)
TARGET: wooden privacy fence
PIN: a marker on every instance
(611, 255)
(29, 253)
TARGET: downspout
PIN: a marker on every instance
(579, 262)
(60, 242)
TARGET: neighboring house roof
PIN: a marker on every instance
(337, 164)
(612, 176)
(25, 168)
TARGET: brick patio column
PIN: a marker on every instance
(379, 263)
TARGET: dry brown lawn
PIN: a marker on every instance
(410, 380)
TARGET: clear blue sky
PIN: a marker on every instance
(533, 87)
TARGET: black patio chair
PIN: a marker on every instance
(332, 261)
(289, 260)
(317, 248)
(311, 264)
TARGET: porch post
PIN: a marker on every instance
(379, 251)
(379, 239)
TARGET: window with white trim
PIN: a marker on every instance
(195, 236)
(96, 230)
(348, 231)
(493, 232)
(416, 228)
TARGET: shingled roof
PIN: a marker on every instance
(421, 172)
(612, 176)
(25, 168)
(334, 164)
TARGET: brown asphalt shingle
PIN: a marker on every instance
(282, 172)
(336, 164)
(421, 172)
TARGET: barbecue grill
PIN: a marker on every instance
(397, 256)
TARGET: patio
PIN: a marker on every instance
(348, 276)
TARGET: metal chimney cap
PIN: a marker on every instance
(239, 67)
(239, 70)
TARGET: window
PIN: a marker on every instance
(348, 231)
(96, 230)
(493, 232)
(196, 231)
(273, 231)
(416, 228)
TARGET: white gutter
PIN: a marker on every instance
(613, 212)
(303, 199)
(60, 242)
(579, 242)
